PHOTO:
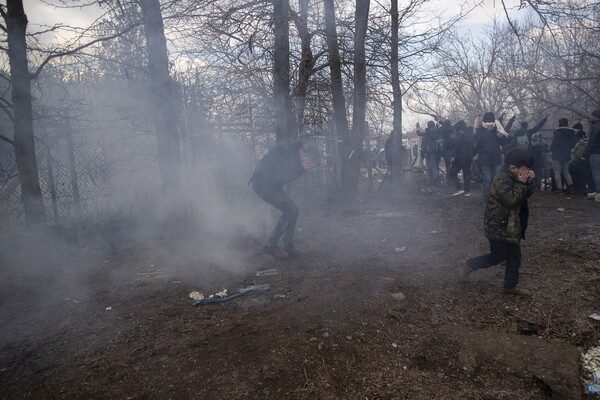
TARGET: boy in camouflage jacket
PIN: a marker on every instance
(505, 220)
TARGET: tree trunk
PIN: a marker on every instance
(163, 100)
(397, 100)
(305, 69)
(285, 130)
(352, 175)
(31, 194)
(337, 89)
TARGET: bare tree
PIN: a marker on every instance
(337, 88)
(16, 27)
(285, 127)
(163, 99)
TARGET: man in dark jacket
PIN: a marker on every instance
(429, 139)
(522, 137)
(463, 153)
(592, 151)
(278, 167)
(562, 142)
(505, 220)
(580, 169)
(488, 139)
(445, 148)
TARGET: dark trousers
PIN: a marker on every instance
(286, 225)
(465, 166)
(499, 252)
(581, 172)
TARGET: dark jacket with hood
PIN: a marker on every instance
(429, 139)
(506, 210)
(463, 145)
(488, 148)
(563, 141)
(279, 166)
(593, 146)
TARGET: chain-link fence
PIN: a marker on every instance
(84, 178)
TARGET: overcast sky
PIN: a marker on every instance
(43, 13)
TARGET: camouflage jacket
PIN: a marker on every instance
(506, 210)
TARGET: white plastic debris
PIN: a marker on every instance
(595, 317)
(398, 296)
(108, 308)
(222, 293)
(400, 249)
(267, 272)
(560, 209)
(196, 296)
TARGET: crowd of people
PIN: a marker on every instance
(478, 152)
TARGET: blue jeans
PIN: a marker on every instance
(595, 164)
(488, 172)
(433, 164)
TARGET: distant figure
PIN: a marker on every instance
(505, 220)
(463, 153)
(580, 169)
(563, 141)
(489, 137)
(523, 136)
(592, 151)
(429, 144)
(282, 165)
(445, 144)
(538, 150)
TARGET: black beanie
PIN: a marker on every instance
(489, 117)
(563, 122)
(524, 125)
(596, 113)
(578, 126)
(430, 124)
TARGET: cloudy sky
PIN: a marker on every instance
(42, 13)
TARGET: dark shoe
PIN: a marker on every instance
(275, 251)
(571, 189)
(463, 271)
(517, 291)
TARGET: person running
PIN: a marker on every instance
(282, 165)
(505, 220)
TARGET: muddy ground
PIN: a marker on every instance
(348, 319)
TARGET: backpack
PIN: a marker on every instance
(579, 149)
(522, 142)
(440, 146)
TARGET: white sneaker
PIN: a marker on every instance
(458, 193)
(592, 194)
(467, 194)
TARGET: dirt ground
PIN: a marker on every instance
(350, 318)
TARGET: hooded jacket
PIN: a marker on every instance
(563, 141)
(463, 145)
(506, 210)
(430, 136)
(278, 167)
(488, 144)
